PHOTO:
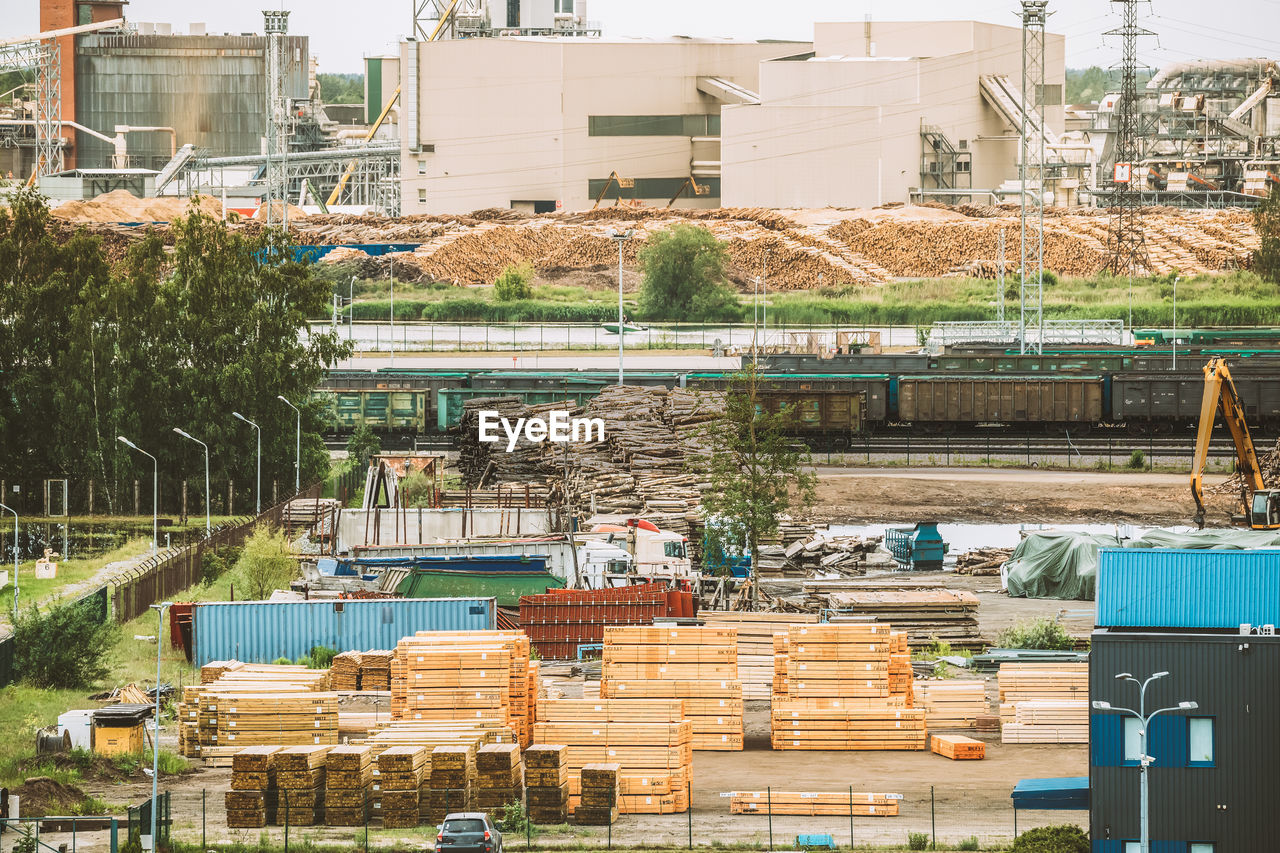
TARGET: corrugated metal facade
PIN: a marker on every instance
(261, 631)
(210, 89)
(1159, 588)
(1230, 804)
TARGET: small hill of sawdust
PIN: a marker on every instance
(124, 206)
(40, 796)
(277, 212)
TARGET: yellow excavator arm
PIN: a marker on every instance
(1220, 396)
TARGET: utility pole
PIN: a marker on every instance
(1000, 277)
(1126, 245)
(1031, 174)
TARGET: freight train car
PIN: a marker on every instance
(949, 403)
(1162, 403)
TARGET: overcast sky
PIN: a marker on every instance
(343, 31)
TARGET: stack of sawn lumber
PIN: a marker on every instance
(348, 777)
(951, 704)
(344, 672)
(927, 615)
(755, 644)
(300, 783)
(650, 738)
(814, 803)
(1044, 702)
(547, 783)
(696, 664)
(499, 777)
(400, 773)
(601, 795)
(250, 802)
(845, 688)
(958, 747)
(451, 782)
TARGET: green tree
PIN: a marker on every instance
(513, 283)
(1266, 221)
(63, 646)
(265, 564)
(684, 277)
(342, 88)
(756, 472)
(363, 445)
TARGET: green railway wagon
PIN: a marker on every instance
(449, 401)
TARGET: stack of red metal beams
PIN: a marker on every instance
(562, 619)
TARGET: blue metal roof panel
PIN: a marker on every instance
(1174, 588)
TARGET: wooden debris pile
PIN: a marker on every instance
(926, 614)
(1268, 464)
(826, 554)
(983, 561)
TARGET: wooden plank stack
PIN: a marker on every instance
(344, 672)
(755, 645)
(546, 777)
(348, 778)
(601, 792)
(251, 801)
(375, 670)
(696, 664)
(926, 614)
(300, 777)
(452, 778)
(400, 773)
(499, 777)
(814, 803)
(951, 704)
(650, 738)
(1044, 702)
(839, 693)
(958, 747)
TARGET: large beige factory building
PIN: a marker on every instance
(861, 116)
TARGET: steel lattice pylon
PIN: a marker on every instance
(1127, 247)
(1031, 173)
(276, 25)
(46, 58)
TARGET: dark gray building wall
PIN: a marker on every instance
(211, 89)
(1231, 804)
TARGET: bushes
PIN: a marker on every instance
(417, 489)
(1052, 839)
(265, 564)
(63, 646)
(322, 657)
(1039, 634)
(513, 283)
(917, 840)
(1137, 461)
(362, 445)
(684, 277)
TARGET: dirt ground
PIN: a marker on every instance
(1010, 496)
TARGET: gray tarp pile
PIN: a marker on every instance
(1063, 564)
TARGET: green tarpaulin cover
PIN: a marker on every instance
(1064, 564)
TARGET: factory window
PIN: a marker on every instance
(422, 167)
(564, 7)
(690, 125)
(1201, 847)
(1132, 740)
(1133, 847)
(422, 195)
(84, 14)
(1200, 741)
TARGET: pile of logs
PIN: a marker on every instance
(824, 553)
(1268, 464)
(983, 561)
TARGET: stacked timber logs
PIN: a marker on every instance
(846, 555)
(300, 779)
(1268, 464)
(1044, 702)
(499, 777)
(843, 691)
(649, 738)
(251, 801)
(697, 665)
(983, 561)
(814, 803)
(483, 463)
(348, 775)
(547, 783)
(601, 794)
(401, 771)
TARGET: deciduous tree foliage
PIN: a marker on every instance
(1266, 221)
(164, 338)
(63, 646)
(757, 473)
(684, 277)
(265, 564)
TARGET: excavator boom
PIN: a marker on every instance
(1220, 396)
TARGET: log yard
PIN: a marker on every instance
(484, 426)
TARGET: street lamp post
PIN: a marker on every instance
(208, 528)
(764, 305)
(620, 237)
(155, 493)
(1175, 322)
(257, 498)
(15, 560)
(155, 738)
(297, 450)
(1144, 761)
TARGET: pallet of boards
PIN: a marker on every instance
(1047, 722)
(951, 704)
(375, 669)
(814, 803)
(601, 793)
(696, 664)
(546, 776)
(499, 777)
(649, 738)
(926, 615)
(251, 801)
(1055, 697)
(348, 779)
(300, 778)
(957, 747)
(755, 644)
(450, 782)
(399, 773)
(344, 672)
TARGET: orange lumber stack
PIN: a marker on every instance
(547, 783)
(814, 803)
(958, 747)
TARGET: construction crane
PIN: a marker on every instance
(1261, 505)
(623, 184)
(690, 184)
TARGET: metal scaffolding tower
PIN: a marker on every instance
(276, 26)
(1031, 173)
(438, 19)
(1126, 245)
(45, 57)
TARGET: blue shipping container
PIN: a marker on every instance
(1168, 588)
(262, 631)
